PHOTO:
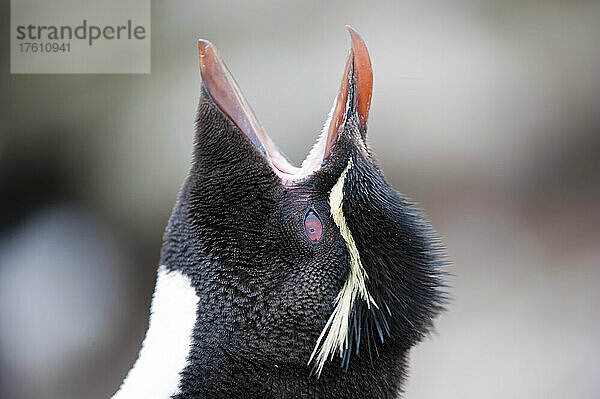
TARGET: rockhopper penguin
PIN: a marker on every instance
(285, 282)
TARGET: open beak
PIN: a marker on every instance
(353, 99)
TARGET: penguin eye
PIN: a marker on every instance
(313, 226)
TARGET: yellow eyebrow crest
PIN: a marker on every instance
(334, 337)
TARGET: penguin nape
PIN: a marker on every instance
(284, 282)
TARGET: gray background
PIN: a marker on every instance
(486, 113)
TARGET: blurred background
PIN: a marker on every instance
(487, 113)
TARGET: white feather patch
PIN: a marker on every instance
(334, 337)
(155, 374)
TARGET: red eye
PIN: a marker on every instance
(313, 226)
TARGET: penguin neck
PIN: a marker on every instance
(156, 373)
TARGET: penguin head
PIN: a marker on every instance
(299, 265)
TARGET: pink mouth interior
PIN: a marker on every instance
(284, 169)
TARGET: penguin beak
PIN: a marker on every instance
(354, 97)
(352, 101)
(226, 94)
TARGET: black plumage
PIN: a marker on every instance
(266, 291)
